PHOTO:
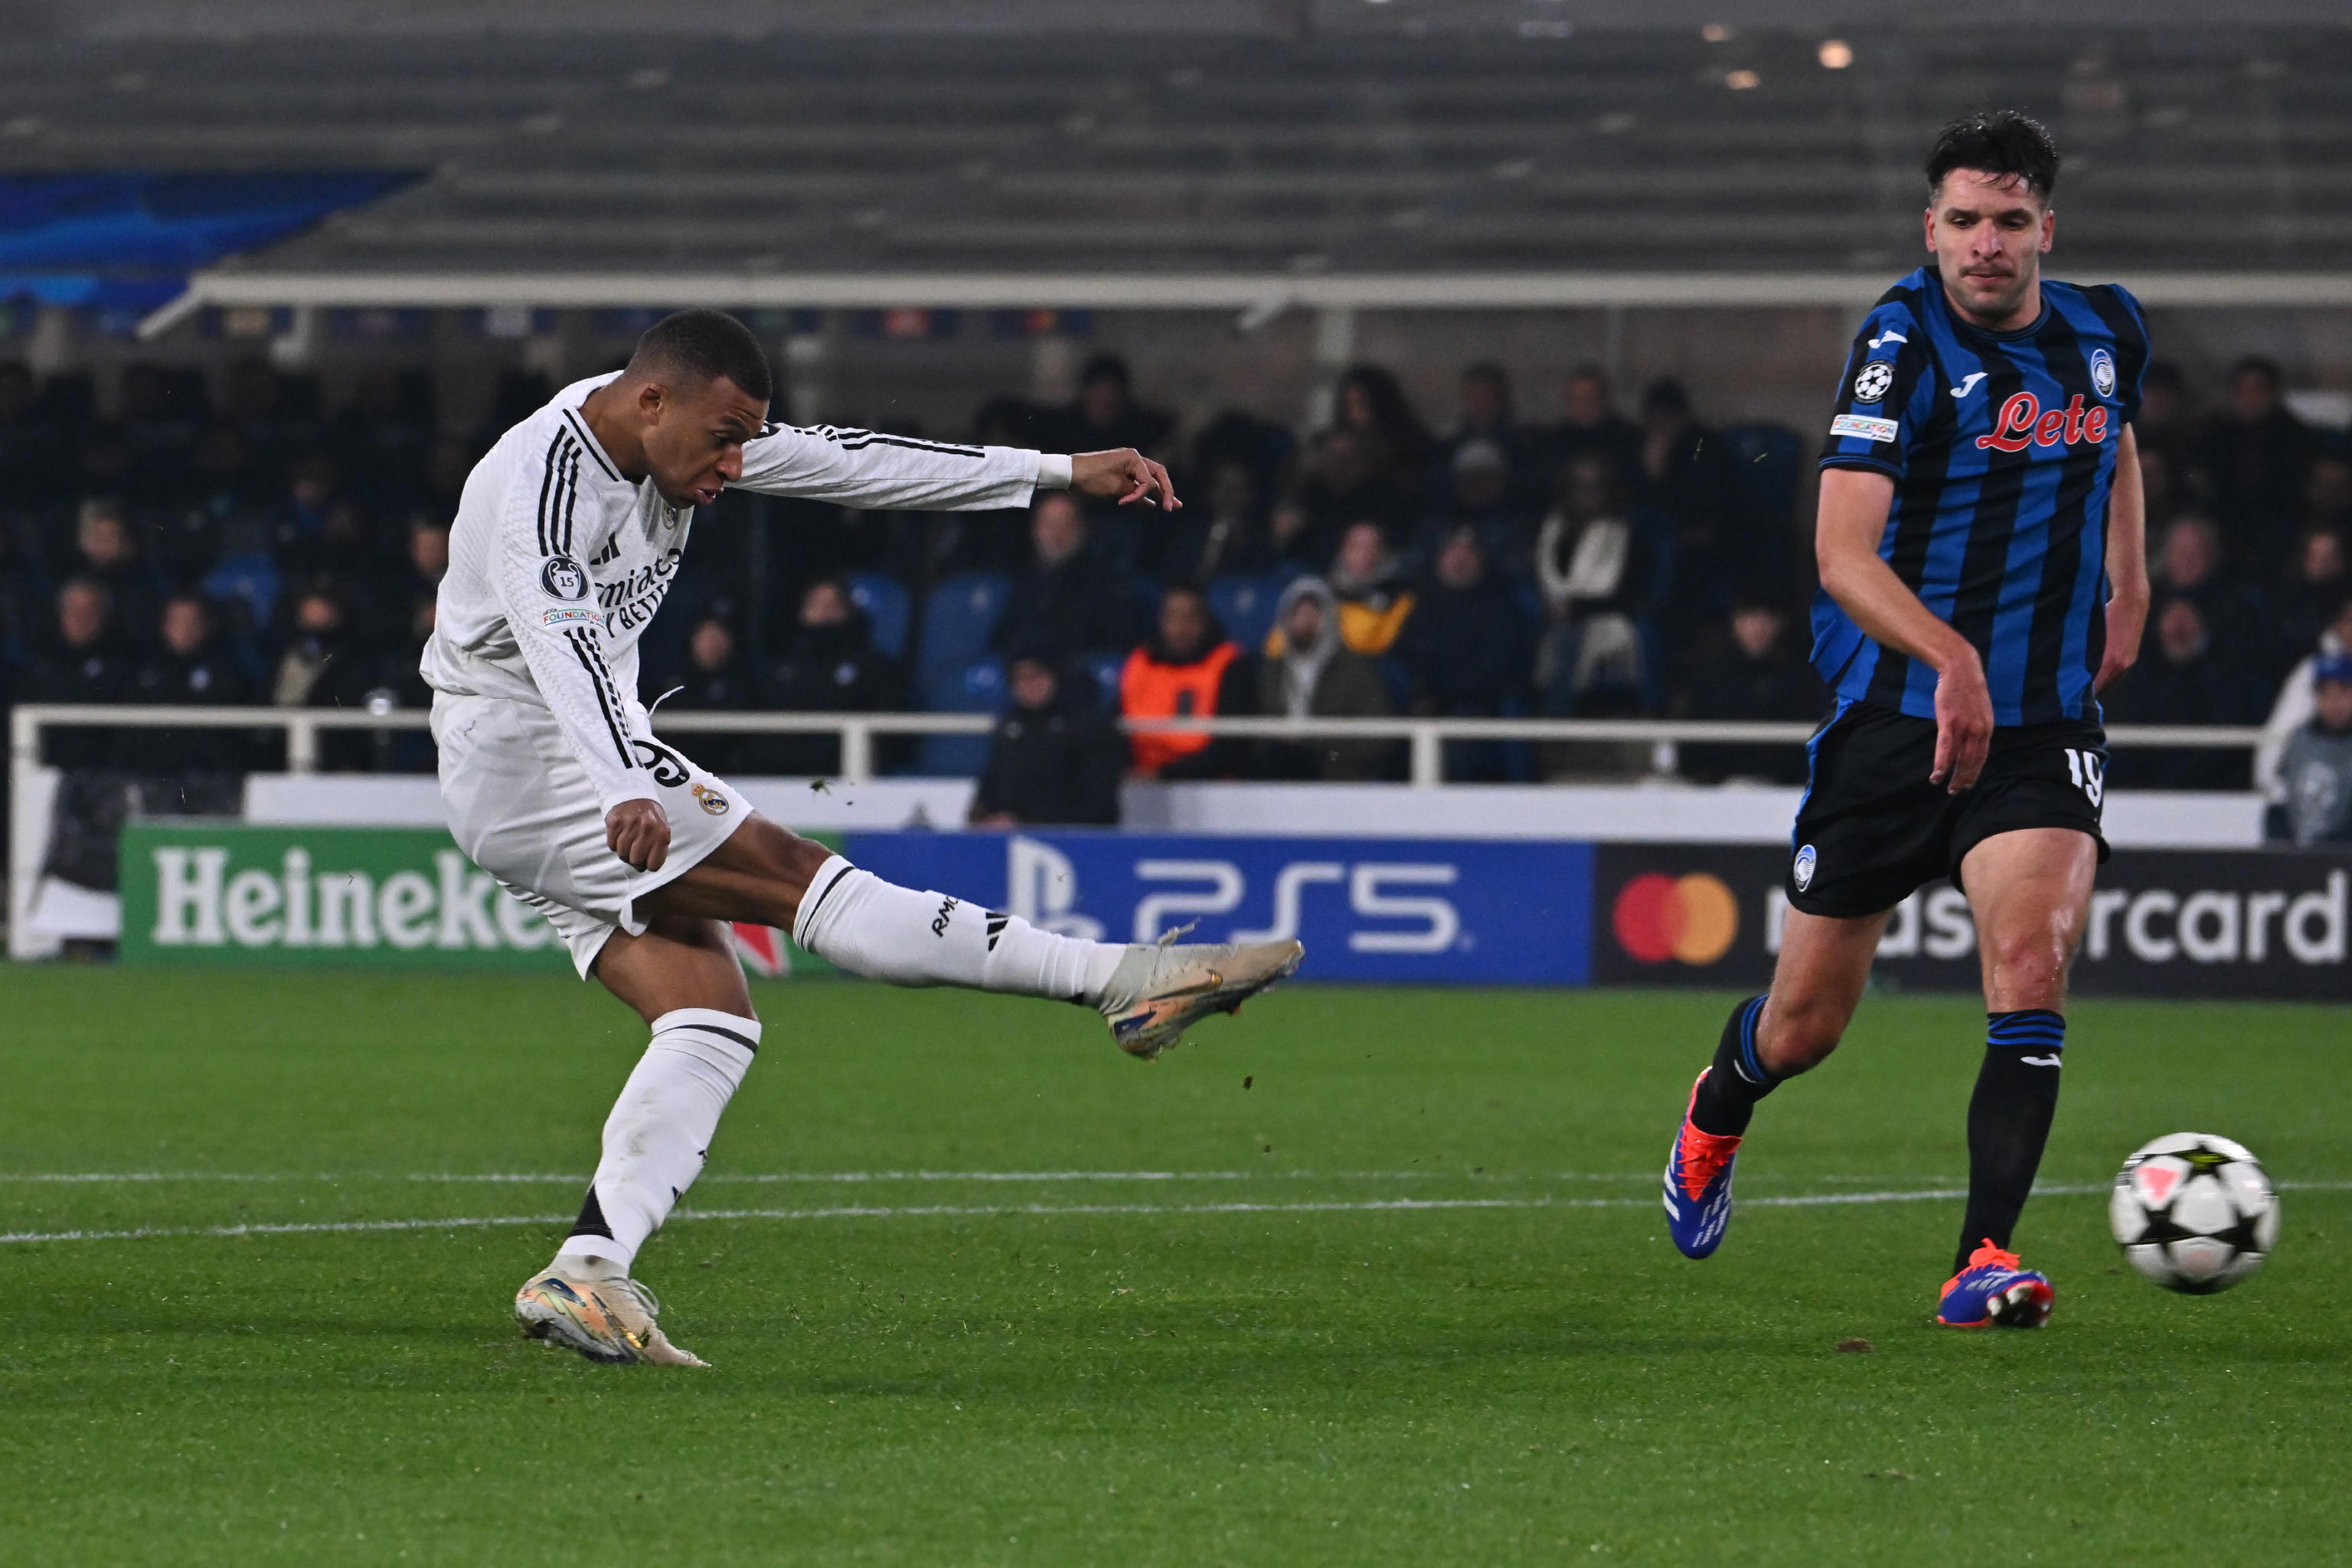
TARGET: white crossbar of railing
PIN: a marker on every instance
(1425, 737)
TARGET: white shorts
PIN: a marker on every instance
(521, 806)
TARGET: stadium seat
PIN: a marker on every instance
(974, 688)
(958, 617)
(1106, 668)
(1247, 606)
(885, 602)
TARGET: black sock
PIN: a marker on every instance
(2008, 1122)
(1737, 1080)
(592, 1218)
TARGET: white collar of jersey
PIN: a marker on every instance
(567, 403)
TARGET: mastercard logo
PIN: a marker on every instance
(1692, 918)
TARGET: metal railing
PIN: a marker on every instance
(1425, 738)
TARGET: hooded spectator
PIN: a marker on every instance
(1309, 672)
(1374, 596)
(1070, 599)
(1186, 670)
(2317, 768)
(189, 667)
(2185, 677)
(1055, 757)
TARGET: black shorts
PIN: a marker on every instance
(1871, 830)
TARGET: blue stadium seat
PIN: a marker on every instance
(958, 617)
(886, 603)
(1247, 606)
(1107, 667)
(975, 688)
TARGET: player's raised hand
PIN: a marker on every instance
(1963, 724)
(1126, 474)
(638, 832)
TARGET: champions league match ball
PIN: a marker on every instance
(2194, 1212)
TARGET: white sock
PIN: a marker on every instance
(866, 925)
(660, 1130)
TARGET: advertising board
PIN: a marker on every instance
(2161, 923)
(224, 893)
(1404, 910)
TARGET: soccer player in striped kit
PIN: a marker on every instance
(1983, 568)
(568, 536)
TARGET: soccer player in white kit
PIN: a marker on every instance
(567, 536)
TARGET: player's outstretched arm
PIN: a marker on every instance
(2127, 563)
(1853, 508)
(1125, 476)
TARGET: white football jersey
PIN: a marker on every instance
(557, 562)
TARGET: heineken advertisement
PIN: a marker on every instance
(221, 893)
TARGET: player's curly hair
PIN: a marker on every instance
(1996, 141)
(702, 346)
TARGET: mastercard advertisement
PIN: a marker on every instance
(1683, 914)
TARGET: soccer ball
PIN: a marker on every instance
(2194, 1212)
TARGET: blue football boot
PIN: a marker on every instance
(1698, 1184)
(1994, 1292)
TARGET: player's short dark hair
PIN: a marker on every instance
(702, 346)
(1996, 141)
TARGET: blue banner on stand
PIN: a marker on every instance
(1415, 911)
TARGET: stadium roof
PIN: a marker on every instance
(1496, 167)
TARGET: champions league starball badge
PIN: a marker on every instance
(1870, 384)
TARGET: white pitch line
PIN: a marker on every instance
(536, 1178)
(1386, 1205)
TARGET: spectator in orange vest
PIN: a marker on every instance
(1186, 669)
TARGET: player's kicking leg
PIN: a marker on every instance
(1816, 986)
(2028, 889)
(681, 976)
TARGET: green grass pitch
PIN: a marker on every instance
(1244, 1361)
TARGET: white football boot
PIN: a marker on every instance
(605, 1317)
(1161, 990)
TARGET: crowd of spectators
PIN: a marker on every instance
(253, 547)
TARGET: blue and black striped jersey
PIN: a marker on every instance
(2002, 449)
